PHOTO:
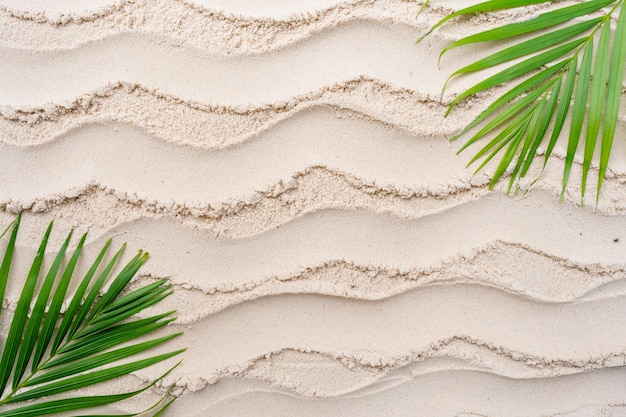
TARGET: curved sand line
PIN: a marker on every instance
(501, 266)
(455, 393)
(289, 361)
(219, 127)
(361, 48)
(123, 158)
(421, 316)
(206, 126)
(511, 268)
(300, 372)
(379, 242)
(208, 28)
(201, 125)
(230, 388)
(516, 329)
(281, 14)
(279, 11)
(98, 208)
(220, 31)
(232, 80)
(367, 239)
(364, 157)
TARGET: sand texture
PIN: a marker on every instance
(287, 166)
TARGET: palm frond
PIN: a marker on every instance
(93, 342)
(561, 76)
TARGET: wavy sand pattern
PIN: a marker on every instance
(287, 165)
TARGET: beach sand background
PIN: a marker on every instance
(287, 165)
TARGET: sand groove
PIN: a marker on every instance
(460, 393)
(276, 205)
(490, 266)
(164, 172)
(242, 389)
(465, 333)
(201, 125)
(246, 80)
(361, 156)
(376, 256)
(215, 126)
(361, 227)
(520, 335)
(228, 27)
(208, 28)
(502, 266)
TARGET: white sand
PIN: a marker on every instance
(287, 165)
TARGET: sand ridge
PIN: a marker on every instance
(230, 27)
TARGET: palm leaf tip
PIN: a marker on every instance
(44, 338)
(555, 60)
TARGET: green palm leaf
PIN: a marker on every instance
(93, 342)
(566, 55)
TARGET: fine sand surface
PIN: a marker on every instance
(287, 166)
